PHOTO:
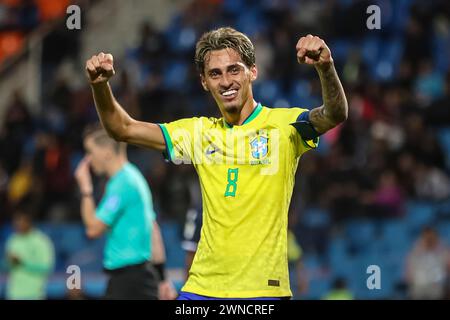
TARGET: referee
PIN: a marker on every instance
(125, 214)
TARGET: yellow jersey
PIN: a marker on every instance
(246, 175)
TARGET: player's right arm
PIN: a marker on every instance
(116, 121)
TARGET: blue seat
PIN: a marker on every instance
(268, 91)
(94, 285)
(359, 278)
(175, 255)
(315, 218)
(444, 139)
(72, 238)
(56, 288)
(338, 258)
(250, 22)
(233, 7)
(395, 234)
(341, 49)
(5, 231)
(175, 75)
(443, 229)
(318, 287)
(440, 52)
(419, 214)
(371, 50)
(360, 233)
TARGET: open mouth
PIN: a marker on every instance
(229, 94)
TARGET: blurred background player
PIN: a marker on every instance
(30, 257)
(126, 215)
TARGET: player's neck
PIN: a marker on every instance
(239, 118)
(115, 166)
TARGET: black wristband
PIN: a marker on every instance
(160, 269)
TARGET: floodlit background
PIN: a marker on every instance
(363, 198)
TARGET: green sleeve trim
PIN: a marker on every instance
(169, 153)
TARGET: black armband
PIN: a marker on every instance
(160, 269)
(304, 127)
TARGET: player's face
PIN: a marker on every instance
(228, 79)
(97, 154)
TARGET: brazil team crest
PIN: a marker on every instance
(259, 146)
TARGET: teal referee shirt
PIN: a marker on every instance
(127, 208)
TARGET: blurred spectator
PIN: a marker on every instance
(387, 200)
(30, 256)
(16, 128)
(339, 291)
(429, 83)
(427, 267)
(20, 183)
(431, 183)
(298, 275)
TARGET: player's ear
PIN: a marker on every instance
(203, 81)
(253, 73)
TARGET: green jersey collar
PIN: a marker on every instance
(256, 111)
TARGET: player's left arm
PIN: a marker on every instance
(94, 226)
(313, 51)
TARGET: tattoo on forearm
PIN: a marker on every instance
(334, 109)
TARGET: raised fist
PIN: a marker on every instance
(100, 68)
(313, 50)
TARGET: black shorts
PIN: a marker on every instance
(136, 282)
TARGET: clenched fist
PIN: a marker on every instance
(100, 68)
(313, 51)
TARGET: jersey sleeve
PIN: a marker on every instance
(180, 138)
(111, 205)
(304, 136)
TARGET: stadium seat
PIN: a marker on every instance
(360, 233)
(94, 285)
(268, 91)
(419, 214)
(338, 258)
(318, 287)
(175, 76)
(341, 49)
(443, 229)
(171, 234)
(358, 281)
(395, 233)
(444, 139)
(251, 22)
(56, 287)
(72, 238)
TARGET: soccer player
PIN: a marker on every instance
(246, 160)
(125, 214)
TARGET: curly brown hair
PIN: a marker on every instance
(224, 38)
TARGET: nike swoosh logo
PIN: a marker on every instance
(209, 152)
